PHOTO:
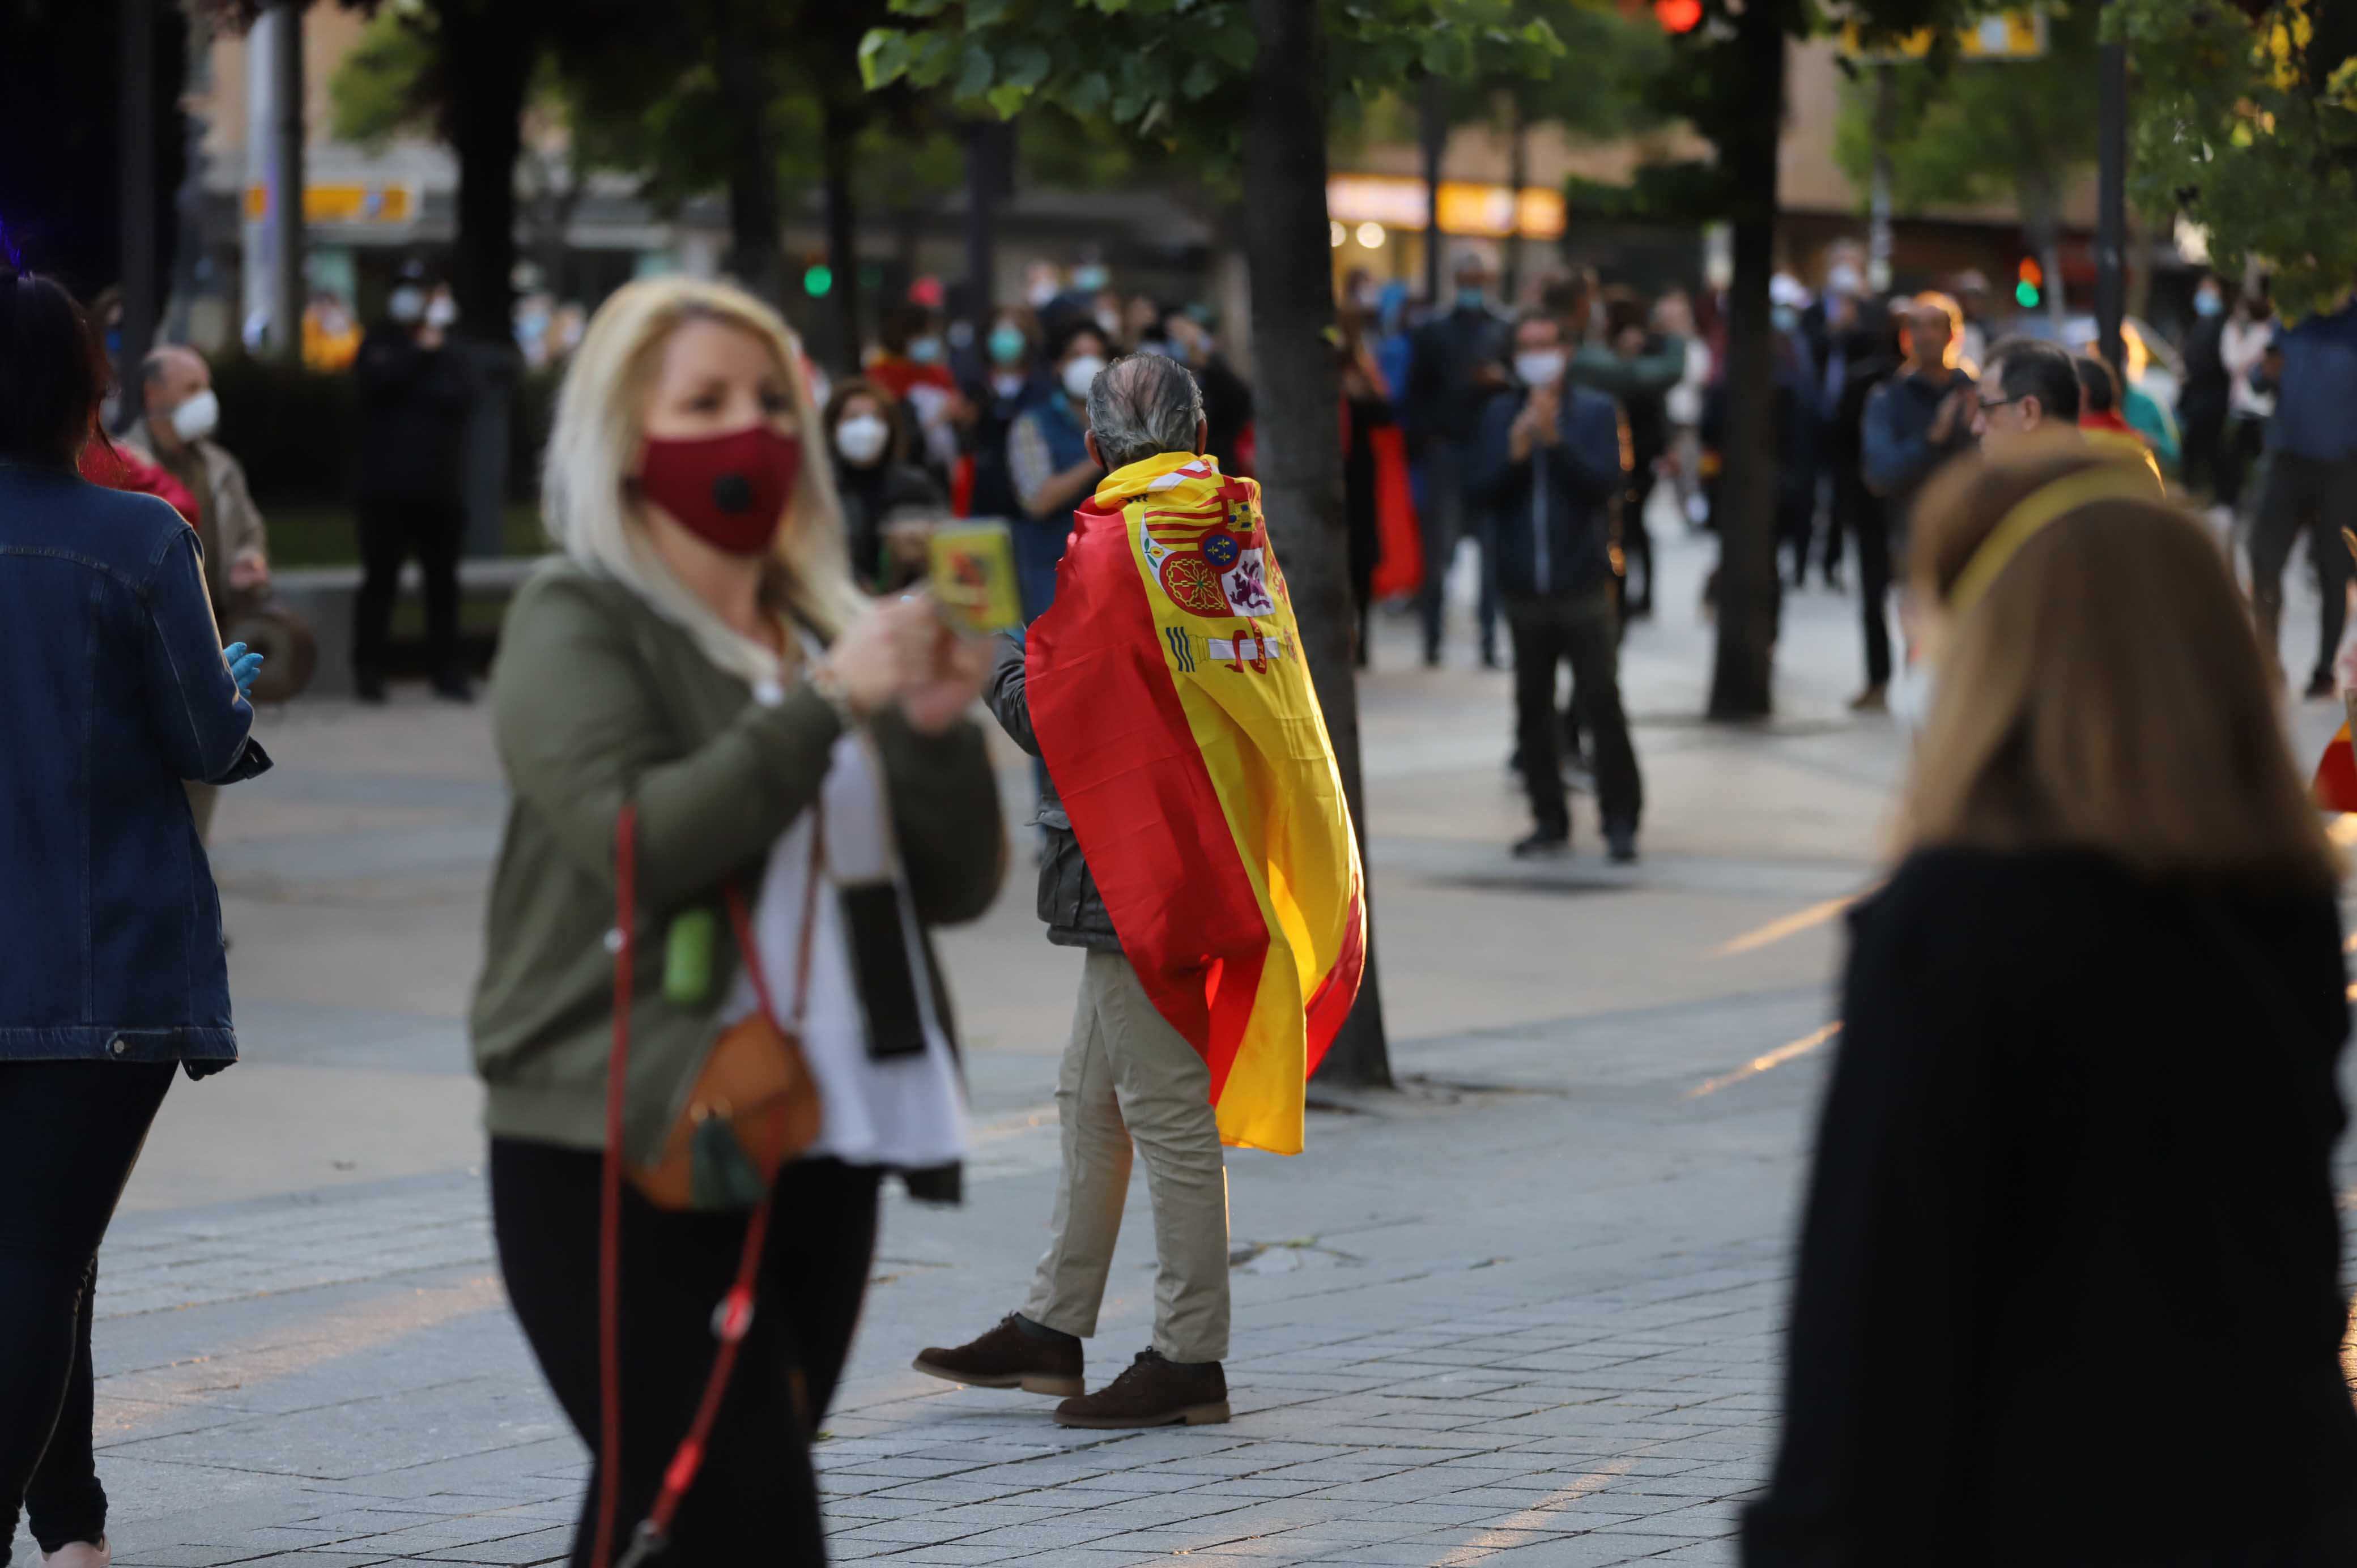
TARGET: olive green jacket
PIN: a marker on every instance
(597, 700)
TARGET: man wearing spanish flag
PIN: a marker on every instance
(1199, 848)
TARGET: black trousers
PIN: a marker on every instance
(1637, 543)
(756, 1499)
(1581, 628)
(2244, 440)
(1451, 512)
(1858, 511)
(2303, 496)
(2203, 431)
(69, 1133)
(392, 531)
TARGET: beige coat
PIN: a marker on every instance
(229, 524)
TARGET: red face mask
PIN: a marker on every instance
(729, 491)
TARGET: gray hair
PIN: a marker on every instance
(1142, 405)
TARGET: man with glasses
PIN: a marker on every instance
(2029, 393)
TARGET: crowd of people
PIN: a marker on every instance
(748, 780)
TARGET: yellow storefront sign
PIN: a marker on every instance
(342, 203)
(1396, 201)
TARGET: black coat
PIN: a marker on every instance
(413, 428)
(2068, 1287)
(1070, 904)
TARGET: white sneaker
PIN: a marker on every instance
(80, 1555)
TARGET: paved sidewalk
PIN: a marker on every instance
(1525, 1311)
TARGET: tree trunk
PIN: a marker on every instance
(286, 290)
(135, 184)
(1742, 681)
(1433, 132)
(1518, 174)
(1300, 462)
(840, 129)
(489, 55)
(989, 156)
(755, 220)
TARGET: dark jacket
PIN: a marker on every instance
(1554, 516)
(2315, 396)
(2070, 1239)
(870, 496)
(1443, 399)
(995, 416)
(1069, 901)
(412, 418)
(1896, 438)
(117, 692)
(2202, 399)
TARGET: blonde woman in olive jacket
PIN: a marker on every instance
(699, 651)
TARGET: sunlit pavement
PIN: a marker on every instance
(1524, 1311)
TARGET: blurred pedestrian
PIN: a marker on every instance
(119, 691)
(1551, 459)
(1458, 364)
(873, 475)
(2311, 485)
(1869, 349)
(1164, 831)
(2203, 398)
(1674, 320)
(912, 365)
(175, 389)
(696, 702)
(414, 397)
(2244, 345)
(1013, 380)
(2105, 428)
(1048, 459)
(1227, 397)
(1921, 416)
(1366, 408)
(1637, 369)
(2138, 408)
(2029, 393)
(2071, 1235)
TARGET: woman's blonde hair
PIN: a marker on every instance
(2105, 691)
(590, 514)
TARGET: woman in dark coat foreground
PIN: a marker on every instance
(2069, 1285)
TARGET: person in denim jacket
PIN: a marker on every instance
(118, 692)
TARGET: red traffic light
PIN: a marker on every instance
(1678, 15)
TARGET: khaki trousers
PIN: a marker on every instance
(1130, 1080)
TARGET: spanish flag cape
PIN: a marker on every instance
(1174, 709)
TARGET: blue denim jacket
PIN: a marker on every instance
(2316, 400)
(114, 692)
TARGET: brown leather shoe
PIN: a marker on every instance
(1153, 1392)
(1010, 1357)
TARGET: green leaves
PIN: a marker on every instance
(2241, 124)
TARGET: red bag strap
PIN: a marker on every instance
(734, 1317)
(743, 925)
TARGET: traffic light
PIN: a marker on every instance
(818, 281)
(2025, 293)
(1678, 15)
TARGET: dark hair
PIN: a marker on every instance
(1564, 333)
(1624, 309)
(896, 450)
(2099, 388)
(52, 371)
(2026, 367)
(1060, 341)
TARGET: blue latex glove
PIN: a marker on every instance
(242, 667)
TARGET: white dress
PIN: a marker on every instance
(906, 1111)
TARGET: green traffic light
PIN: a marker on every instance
(818, 281)
(2025, 294)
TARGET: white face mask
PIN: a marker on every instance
(195, 417)
(862, 439)
(1539, 367)
(1006, 383)
(1080, 374)
(407, 305)
(441, 312)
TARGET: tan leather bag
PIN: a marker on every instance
(754, 1107)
